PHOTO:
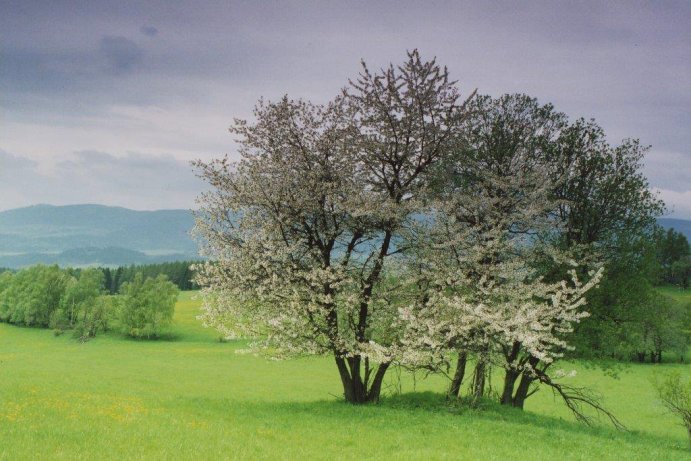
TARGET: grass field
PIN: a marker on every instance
(193, 397)
(682, 296)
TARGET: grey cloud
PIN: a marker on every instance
(668, 170)
(135, 180)
(122, 54)
(149, 31)
(10, 163)
(627, 64)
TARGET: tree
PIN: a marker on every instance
(146, 306)
(680, 272)
(32, 295)
(605, 196)
(608, 214)
(94, 318)
(674, 256)
(79, 296)
(675, 394)
(490, 229)
(307, 231)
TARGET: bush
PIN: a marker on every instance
(675, 394)
(31, 296)
(80, 296)
(147, 306)
(94, 318)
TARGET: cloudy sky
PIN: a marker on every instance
(107, 102)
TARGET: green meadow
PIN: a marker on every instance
(193, 397)
(680, 296)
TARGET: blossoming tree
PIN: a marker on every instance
(485, 255)
(305, 231)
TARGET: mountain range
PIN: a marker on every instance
(682, 226)
(82, 235)
(87, 235)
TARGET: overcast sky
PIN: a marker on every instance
(107, 102)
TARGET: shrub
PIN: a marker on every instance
(94, 318)
(147, 306)
(675, 394)
(80, 295)
(31, 296)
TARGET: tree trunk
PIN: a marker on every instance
(652, 356)
(479, 377)
(522, 391)
(375, 389)
(354, 387)
(457, 380)
(641, 357)
(524, 385)
(509, 384)
(512, 373)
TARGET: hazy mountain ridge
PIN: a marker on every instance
(83, 235)
(90, 256)
(680, 225)
(93, 234)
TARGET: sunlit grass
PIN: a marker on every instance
(192, 397)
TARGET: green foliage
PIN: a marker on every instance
(674, 256)
(62, 299)
(606, 198)
(658, 327)
(79, 297)
(94, 318)
(178, 272)
(609, 214)
(630, 319)
(76, 299)
(31, 296)
(147, 306)
(680, 272)
(675, 393)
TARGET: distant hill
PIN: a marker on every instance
(84, 235)
(81, 235)
(91, 256)
(680, 225)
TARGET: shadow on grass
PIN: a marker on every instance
(433, 409)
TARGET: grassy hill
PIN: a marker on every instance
(194, 397)
(93, 234)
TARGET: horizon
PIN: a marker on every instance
(111, 102)
(664, 217)
(93, 204)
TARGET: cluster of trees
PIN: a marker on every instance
(674, 258)
(630, 319)
(178, 272)
(401, 223)
(67, 299)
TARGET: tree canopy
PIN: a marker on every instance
(402, 223)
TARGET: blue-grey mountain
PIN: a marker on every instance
(93, 234)
(682, 226)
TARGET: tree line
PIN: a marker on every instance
(79, 300)
(178, 272)
(630, 319)
(673, 256)
(401, 223)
